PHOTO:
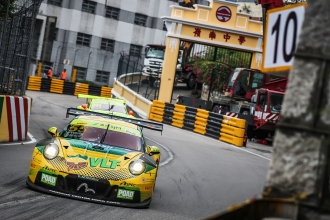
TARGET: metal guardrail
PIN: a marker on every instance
(131, 74)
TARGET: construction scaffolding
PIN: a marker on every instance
(17, 21)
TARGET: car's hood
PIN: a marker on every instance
(80, 154)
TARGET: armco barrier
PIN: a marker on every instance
(63, 87)
(81, 88)
(56, 86)
(34, 83)
(106, 91)
(221, 127)
(14, 118)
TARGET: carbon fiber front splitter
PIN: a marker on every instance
(144, 204)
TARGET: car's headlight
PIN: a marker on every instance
(51, 151)
(137, 167)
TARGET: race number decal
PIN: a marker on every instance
(77, 128)
(281, 37)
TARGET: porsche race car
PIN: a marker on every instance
(105, 105)
(97, 157)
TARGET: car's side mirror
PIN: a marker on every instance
(153, 150)
(84, 106)
(52, 131)
(131, 113)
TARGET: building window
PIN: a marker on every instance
(83, 39)
(102, 77)
(81, 73)
(135, 50)
(140, 19)
(88, 6)
(55, 2)
(112, 13)
(107, 44)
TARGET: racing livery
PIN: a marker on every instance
(105, 105)
(98, 158)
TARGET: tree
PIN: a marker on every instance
(4, 7)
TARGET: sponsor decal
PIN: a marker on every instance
(84, 198)
(50, 180)
(127, 184)
(32, 172)
(49, 169)
(125, 194)
(87, 178)
(34, 157)
(33, 165)
(77, 162)
(103, 163)
(86, 188)
(143, 179)
(148, 188)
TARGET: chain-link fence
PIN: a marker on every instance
(17, 21)
(144, 82)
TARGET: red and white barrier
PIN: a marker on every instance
(15, 118)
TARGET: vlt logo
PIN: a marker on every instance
(103, 163)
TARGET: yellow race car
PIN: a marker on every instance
(97, 157)
(105, 105)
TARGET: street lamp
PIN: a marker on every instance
(89, 55)
(74, 58)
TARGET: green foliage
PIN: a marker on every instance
(226, 61)
(246, 8)
(222, 71)
(4, 6)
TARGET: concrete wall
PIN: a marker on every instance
(139, 104)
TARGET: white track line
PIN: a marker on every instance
(229, 145)
(170, 154)
(33, 140)
(22, 201)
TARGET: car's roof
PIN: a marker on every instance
(126, 127)
(111, 101)
(107, 120)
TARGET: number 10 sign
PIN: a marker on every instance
(283, 27)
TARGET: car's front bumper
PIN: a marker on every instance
(99, 192)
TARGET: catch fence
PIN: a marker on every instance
(131, 74)
(17, 21)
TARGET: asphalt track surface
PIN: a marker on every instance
(199, 176)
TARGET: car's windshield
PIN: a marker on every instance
(127, 139)
(108, 107)
(155, 53)
(276, 100)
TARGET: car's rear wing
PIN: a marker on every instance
(139, 122)
(84, 96)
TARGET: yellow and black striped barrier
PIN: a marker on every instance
(221, 127)
(34, 83)
(63, 87)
